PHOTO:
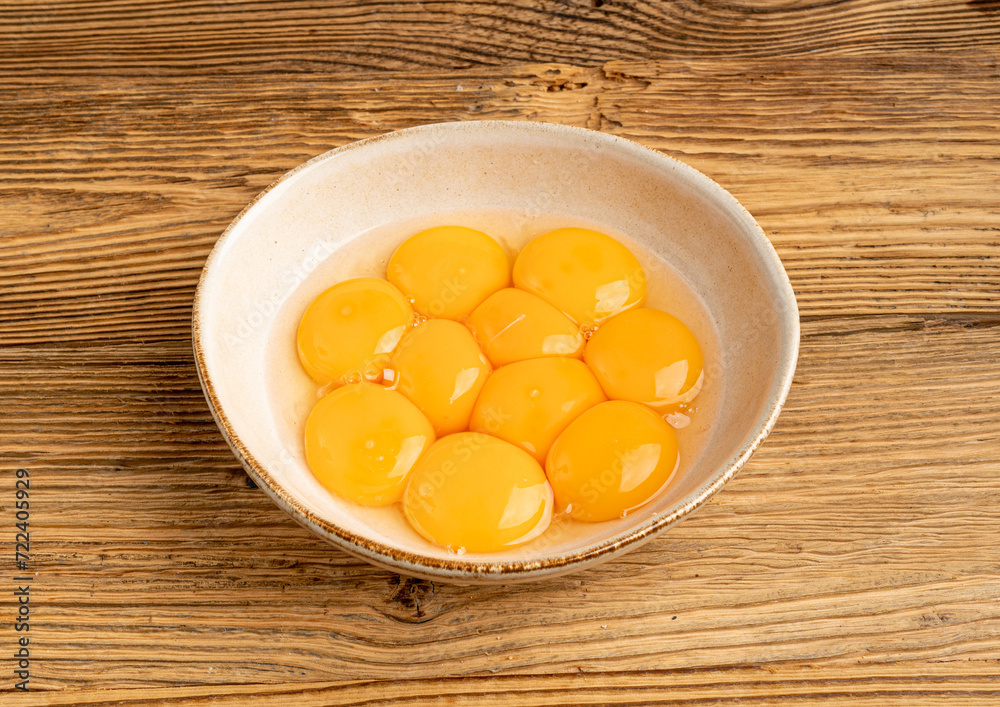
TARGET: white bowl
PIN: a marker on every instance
(341, 214)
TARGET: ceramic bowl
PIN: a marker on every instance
(341, 214)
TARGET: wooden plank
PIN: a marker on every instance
(854, 537)
(902, 685)
(144, 37)
(874, 208)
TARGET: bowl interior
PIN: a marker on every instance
(342, 214)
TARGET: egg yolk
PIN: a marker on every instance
(646, 356)
(362, 440)
(449, 270)
(514, 325)
(478, 493)
(440, 368)
(574, 419)
(583, 273)
(612, 459)
(348, 331)
(529, 403)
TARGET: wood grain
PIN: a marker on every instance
(906, 685)
(855, 536)
(900, 214)
(853, 561)
(144, 37)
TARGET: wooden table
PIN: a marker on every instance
(854, 561)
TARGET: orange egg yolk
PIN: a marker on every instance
(448, 271)
(348, 332)
(514, 325)
(482, 458)
(440, 368)
(529, 403)
(646, 356)
(612, 459)
(362, 440)
(475, 492)
(585, 274)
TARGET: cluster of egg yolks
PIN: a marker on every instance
(646, 356)
(513, 325)
(529, 403)
(481, 485)
(362, 441)
(348, 331)
(447, 271)
(587, 275)
(474, 492)
(613, 458)
(439, 367)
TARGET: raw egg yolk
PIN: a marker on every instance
(449, 270)
(440, 368)
(348, 331)
(478, 493)
(585, 274)
(646, 356)
(362, 440)
(514, 325)
(530, 402)
(612, 459)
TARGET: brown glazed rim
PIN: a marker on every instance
(468, 570)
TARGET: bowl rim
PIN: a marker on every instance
(458, 569)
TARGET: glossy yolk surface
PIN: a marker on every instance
(514, 325)
(612, 459)
(646, 356)
(478, 493)
(585, 274)
(348, 331)
(440, 368)
(530, 402)
(449, 270)
(362, 440)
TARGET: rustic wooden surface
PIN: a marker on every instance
(854, 561)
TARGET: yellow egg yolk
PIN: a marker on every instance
(362, 440)
(612, 459)
(529, 403)
(481, 459)
(514, 325)
(585, 274)
(646, 356)
(448, 271)
(348, 332)
(440, 368)
(477, 493)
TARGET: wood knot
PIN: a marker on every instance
(411, 600)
